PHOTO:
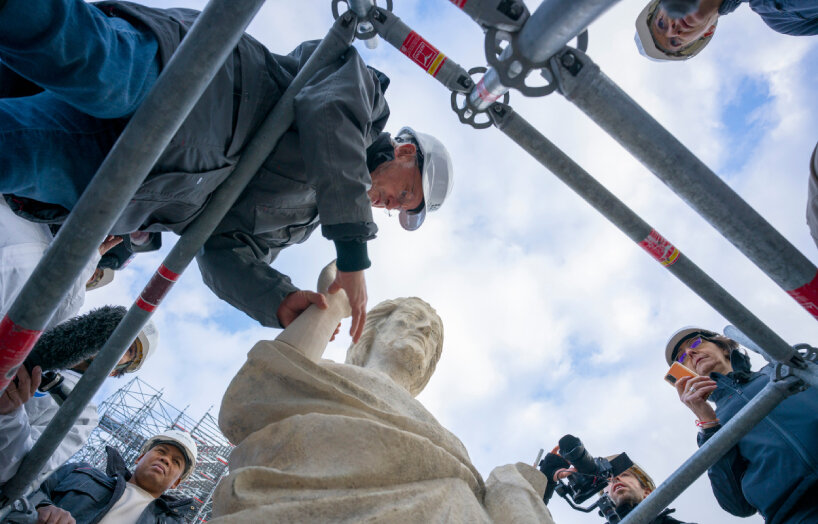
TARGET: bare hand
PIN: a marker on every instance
(109, 242)
(296, 303)
(54, 515)
(564, 472)
(355, 286)
(693, 392)
(21, 390)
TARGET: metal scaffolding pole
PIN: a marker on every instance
(178, 88)
(277, 122)
(550, 156)
(712, 450)
(547, 30)
(582, 82)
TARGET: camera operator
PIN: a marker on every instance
(625, 489)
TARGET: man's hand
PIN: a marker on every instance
(355, 286)
(693, 392)
(20, 390)
(109, 242)
(54, 515)
(296, 303)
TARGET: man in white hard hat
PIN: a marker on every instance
(25, 409)
(64, 102)
(662, 37)
(117, 496)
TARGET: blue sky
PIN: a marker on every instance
(554, 320)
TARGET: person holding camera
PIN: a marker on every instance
(774, 468)
(625, 485)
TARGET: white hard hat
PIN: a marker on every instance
(101, 277)
(437, 175)
(148, 340)
(647, 45)
(686, 333)
(181, 440)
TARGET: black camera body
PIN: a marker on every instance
(592, 475)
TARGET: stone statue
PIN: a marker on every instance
(321, 441)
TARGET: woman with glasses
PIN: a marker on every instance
(774, 468)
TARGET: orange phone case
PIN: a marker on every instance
(678, 371)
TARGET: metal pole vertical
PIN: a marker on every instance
(656, 148)
(547, 30)
(533, 142)
(277, 122)
(178, 88)
(712, 450)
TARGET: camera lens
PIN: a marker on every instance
(671, 379)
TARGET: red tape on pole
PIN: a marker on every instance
(807, 296)
(15, 344)
(660, 249)
(157, 288)
(459, 3)
(423, 53)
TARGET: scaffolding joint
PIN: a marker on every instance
(466, 112)
(505, 15)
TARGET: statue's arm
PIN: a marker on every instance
(311, 331)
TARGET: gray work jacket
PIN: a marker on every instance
(317, 173)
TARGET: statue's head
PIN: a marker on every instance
(402, 338)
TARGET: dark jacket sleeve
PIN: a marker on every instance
(53, 480)
(725, 478)
(334, 114)
(236, 267)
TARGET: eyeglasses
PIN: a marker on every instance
(696, 342)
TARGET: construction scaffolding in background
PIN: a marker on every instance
(136, 412)
(517, 44)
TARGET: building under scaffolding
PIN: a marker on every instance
(136, 412)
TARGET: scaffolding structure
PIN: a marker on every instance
(534, 43)
(137, 411)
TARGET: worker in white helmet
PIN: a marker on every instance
(26, 409)
(117, 496)
(662, 37)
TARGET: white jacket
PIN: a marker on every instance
(21, 428)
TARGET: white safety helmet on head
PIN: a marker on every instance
(146, 343)
(181, 440)
(101, 278)
(686, 333)
(647, 44)
(435, 170)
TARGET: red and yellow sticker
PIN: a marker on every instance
(423, 53)
(660, 249)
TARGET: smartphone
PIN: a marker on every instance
(678, 371)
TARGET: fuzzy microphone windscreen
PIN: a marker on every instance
(75, 340)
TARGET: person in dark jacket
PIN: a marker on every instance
(660, 37)
(625, 490)
(774, 468)
(81, 493)
(73, 73)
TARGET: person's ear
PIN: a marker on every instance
(136, 461)
(176, 484)
(405, 150)
(710, 31)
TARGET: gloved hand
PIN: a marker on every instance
(549, 466)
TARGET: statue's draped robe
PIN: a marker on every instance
(328, 442)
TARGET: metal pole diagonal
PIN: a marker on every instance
(711, 451)
(277, 122)
(534, 143)
(584, 84)
(178, 88)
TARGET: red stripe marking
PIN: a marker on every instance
(144, 305)
(15, 344)
(483, 93)
(807, 296)
(660, 249)
(167, 273)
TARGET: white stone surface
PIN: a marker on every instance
(321, 441)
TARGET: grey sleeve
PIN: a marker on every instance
(334, 114)
(236, 267)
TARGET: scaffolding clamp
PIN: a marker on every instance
(467, 113)
(505, 15)
(364, 10)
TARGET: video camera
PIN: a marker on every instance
(592, 475)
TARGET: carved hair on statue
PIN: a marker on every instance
(358, 353)
(75, 340)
